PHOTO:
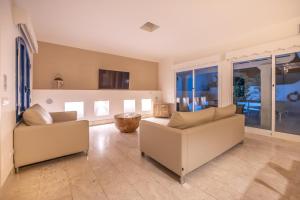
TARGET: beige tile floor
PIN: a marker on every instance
(262, 168)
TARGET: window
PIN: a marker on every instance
(287, 95)
(206, 88)
(197, 89)
(184, 91)
(75, 106)
(22, 78)
(252, 87)
(101, 108)
(129, 106)
(146, 105)
(267, 94)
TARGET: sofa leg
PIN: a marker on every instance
(17, 170)
(142, 154)
(86, 152)
(182, 179)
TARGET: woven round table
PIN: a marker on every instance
(127, 122)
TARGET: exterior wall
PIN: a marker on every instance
(79, 68)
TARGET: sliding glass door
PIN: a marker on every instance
(257, 84)
(252, 91)
(197, 89)
(184, 91)
(287, 98)
(206, 88)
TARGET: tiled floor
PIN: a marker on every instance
(262, 168)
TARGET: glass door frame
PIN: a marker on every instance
(271, 132)
(248, 58)
(259, 130)
(274, 132)
(193, 68)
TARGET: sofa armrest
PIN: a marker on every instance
(64, 116)
(42, 142)
(163, 144)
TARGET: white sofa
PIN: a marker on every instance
(183, 150)
(43, 136)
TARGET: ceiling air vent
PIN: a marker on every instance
(150, 27)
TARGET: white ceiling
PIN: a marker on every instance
(188, 28)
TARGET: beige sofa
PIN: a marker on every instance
(184, 149)
(43, 136)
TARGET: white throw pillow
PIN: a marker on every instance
(36, 115)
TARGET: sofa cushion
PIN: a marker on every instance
(224, 112)
(36, 115)
(183, 120)
(161, 121)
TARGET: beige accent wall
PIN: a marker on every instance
(79, 68)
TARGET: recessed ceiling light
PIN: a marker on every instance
(150, 27)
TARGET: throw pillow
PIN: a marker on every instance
(36, 115)
(183, 120)
(224, 112)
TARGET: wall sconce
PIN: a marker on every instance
(58, 82)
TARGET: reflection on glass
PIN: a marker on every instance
(252, 91)
(287, 105)
(184, 91)
(206, 88)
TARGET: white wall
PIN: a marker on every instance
(8, 33)
(116, 97)
(166, 80)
